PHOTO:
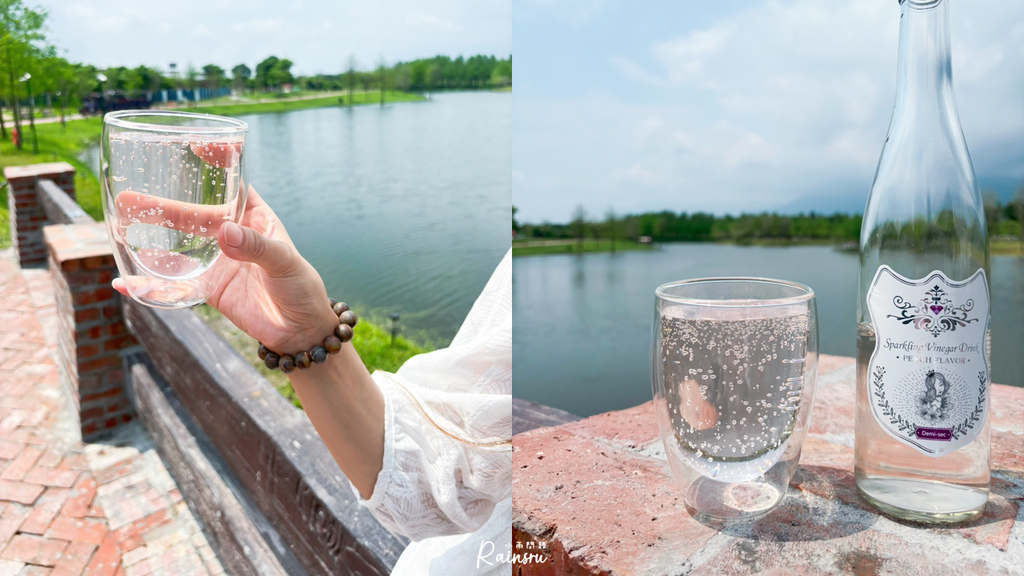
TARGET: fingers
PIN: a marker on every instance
(118, 285)
(198, 219)
(246, 245)
(218, 154)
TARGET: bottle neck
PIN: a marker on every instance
(924, 86)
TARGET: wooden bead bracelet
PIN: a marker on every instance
(343, 332)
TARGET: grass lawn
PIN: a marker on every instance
(359, 98)
(253, 97)
(546, 247)
(372, 343)
(1006, 248)
(56, 145)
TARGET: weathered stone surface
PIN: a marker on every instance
(597, 497)
(640, 519)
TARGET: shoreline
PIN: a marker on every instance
(998, 247)
(339, 100)
(522, 249)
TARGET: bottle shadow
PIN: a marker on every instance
(822, 504)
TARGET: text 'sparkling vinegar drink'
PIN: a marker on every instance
(922, 431)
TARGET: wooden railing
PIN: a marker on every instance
(269, 445)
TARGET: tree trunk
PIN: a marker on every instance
(3, 126)
(14, 98)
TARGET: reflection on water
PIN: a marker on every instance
(402, 209)
(582, 328)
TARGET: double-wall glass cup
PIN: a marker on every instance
(170, 180)
(734, 362)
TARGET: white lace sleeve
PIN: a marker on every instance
(448, 425)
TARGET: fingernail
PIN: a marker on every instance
(232, 235)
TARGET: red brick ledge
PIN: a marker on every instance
(597, 497)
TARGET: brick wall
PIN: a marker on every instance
(93, 337)
(26, 212)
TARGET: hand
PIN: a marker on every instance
(266, 288)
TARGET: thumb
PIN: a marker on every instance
(246, 245)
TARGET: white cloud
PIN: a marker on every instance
(770, 104)
(575, 12)
(316, 35)
(635, 72)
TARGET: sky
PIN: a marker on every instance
(317, 35)
(733, 106)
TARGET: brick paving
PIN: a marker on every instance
(68, 507)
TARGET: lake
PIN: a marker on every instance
(582, 329)
(402, 209)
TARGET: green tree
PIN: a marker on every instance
(69, 83)
(382, 78)
(263, 69)
(144, 79)
(192, 81)
(1018, 204)
(239, 76)
(418, 75)
(281, 73)
(46, 75)
(501, 75)
(611, 227)
(20, 29)
(993, 212)
(213, 77)
(578, 225)
(350, 77)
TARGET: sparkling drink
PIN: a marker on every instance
(170, 181)
(734, 368)
(922, 424)
(734, 383)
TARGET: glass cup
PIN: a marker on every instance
(170, 180)
(734, 362)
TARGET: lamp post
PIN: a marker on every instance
(63, 120)
(103, 97)
(27, 79)
(394, 328)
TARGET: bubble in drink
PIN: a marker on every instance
(170, 195)
(734, 380)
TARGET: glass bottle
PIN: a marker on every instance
(922, 425)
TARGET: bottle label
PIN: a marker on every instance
(928, 377)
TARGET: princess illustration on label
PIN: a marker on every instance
(934, 404)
